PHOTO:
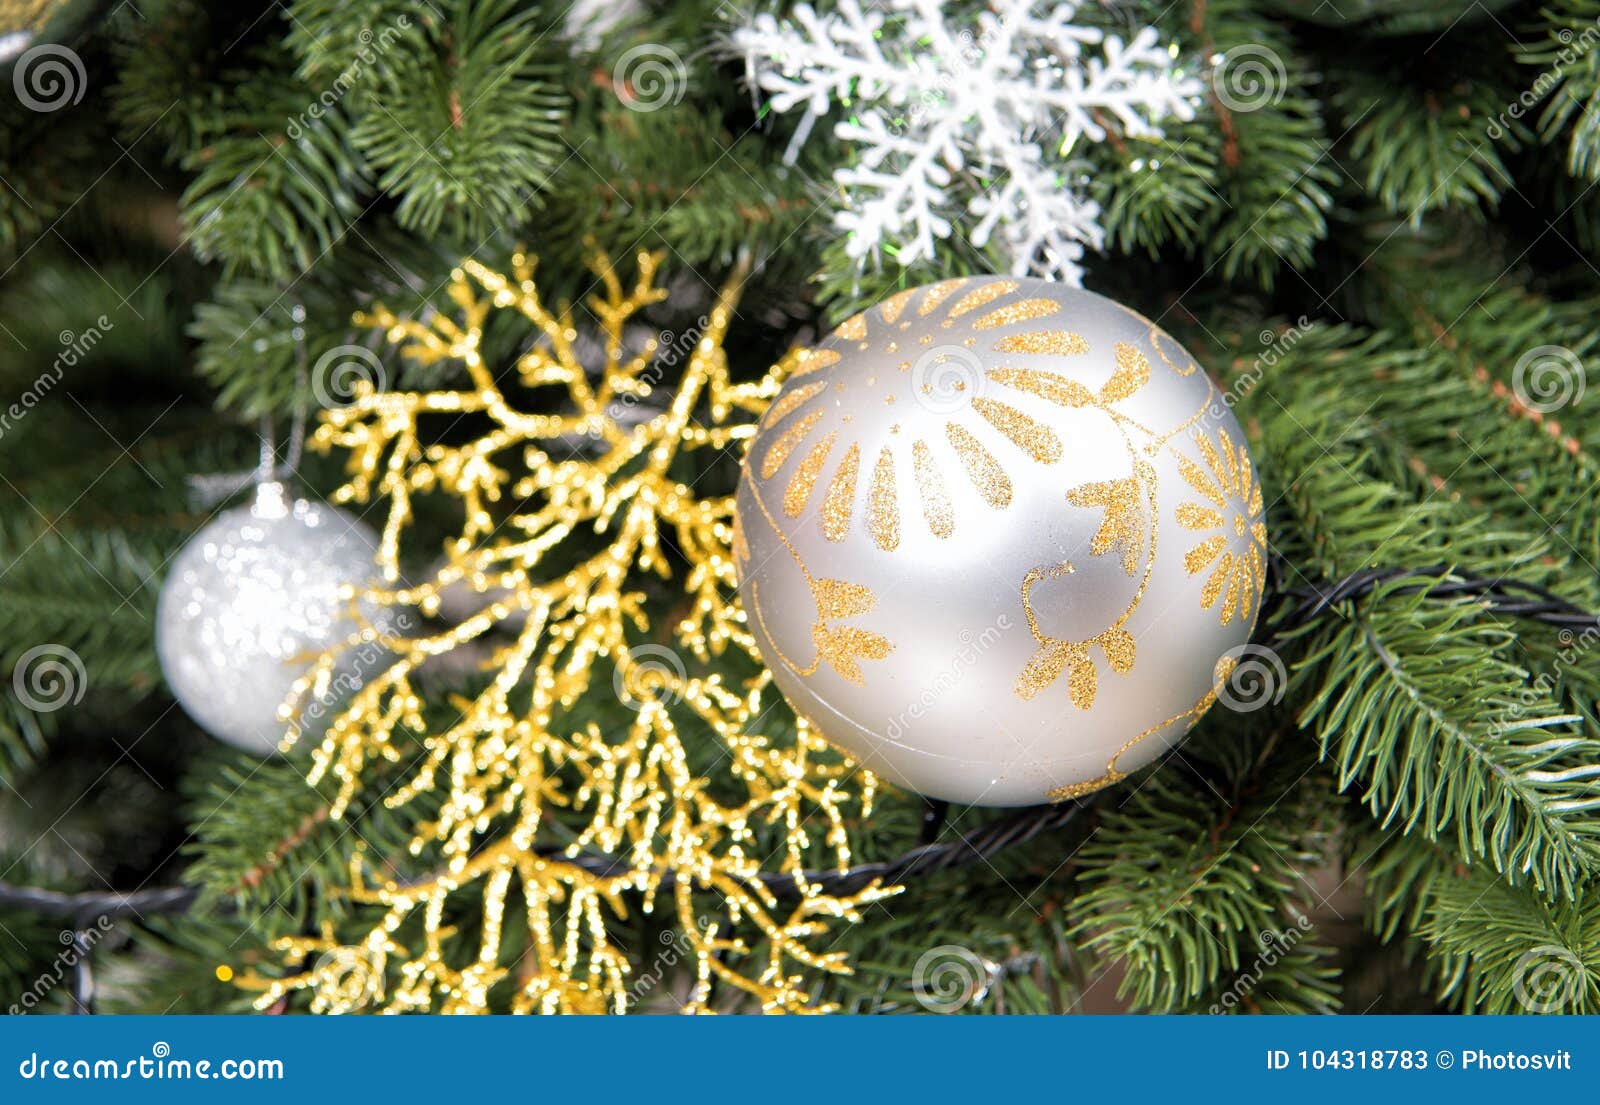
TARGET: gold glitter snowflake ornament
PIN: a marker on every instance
(515, 786)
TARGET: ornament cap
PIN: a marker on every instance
(271, 500)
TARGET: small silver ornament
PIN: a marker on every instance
(249, 603)
(1000, 539)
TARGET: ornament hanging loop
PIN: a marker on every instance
(269, 470)
(207, 491)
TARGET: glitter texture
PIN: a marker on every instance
(792, 401)
(787, 443)
(854, 328)
(937, 294)
(1044, 342)
(892, 307)
(1033, 438)
(930, 487)
(805, 477)
(560, 617)
(814, 360)
(840, 500)
(883, 514)
(1046, 385)
(987, 292)
(1228, 481)
(1024, 310)
(982, 469)
(1133, 372)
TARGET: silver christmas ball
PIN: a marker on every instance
(249, 603)
(1000, 539)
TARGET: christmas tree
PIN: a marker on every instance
(508, 289)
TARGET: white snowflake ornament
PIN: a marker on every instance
(978, 120)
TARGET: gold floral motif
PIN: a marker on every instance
(1133, 372)
(1055, 655)
(892, 307)
(798, 492)
(1032, 437)
(1060, 390)
(937, 294)
(883, 511)
(839, 646)
(1123, 527)
(795, 417)
(1025, 310)
(977, 297)
(1232, 502)
(1156, 338)
(853, 328)
(788, 441)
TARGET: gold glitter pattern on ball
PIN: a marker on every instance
(982, 469)
(883, 513)
(840, 500)
(895, 305)
(1133, 372)
(1228, 484)
(1124, 524)
(839, 646)
(977, 297)
(1058, 342)
(937, 294)
(814, 360)
(1022, 311)
(787, 442)
(930, 486)
(805, 477)
(796, 399)
(1034, 438)
(852, 329)
(1056, 389)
